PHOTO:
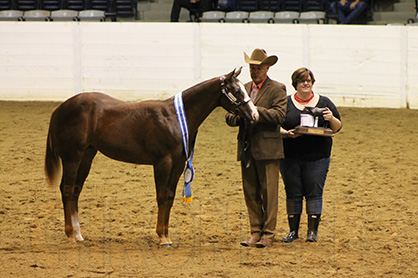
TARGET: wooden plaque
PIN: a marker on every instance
(319, 131)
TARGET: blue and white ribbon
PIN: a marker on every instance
(189, 172)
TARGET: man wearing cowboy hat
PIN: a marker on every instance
(260, 148)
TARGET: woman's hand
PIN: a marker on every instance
(327, 114)
(334, 123)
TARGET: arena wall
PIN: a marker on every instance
(358, 66)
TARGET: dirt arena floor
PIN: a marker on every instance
(369, 227)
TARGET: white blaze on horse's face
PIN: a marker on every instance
(247, 99)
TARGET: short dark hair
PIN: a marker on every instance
(301, 74)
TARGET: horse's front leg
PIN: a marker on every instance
(164, 208)
(166, 179)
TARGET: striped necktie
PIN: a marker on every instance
(254, 92)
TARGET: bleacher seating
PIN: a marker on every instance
(312, 17)
(261, 17)
(126, 8)
(64, 15)
(26, 5)
(11, 15)
(314, 5)
(269, 5)
(248, 5)
(291, 5)
(252, 11)
(36, 15)
(50, 5)
(286, 17)
(102, 5)
(106, 6)
(213, 16)
(77, 5)
(272, 11)
(236, 16)
(7, 5)
(91, 15)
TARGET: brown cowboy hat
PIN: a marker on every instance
(259, 56)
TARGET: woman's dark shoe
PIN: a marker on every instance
(294, 221)
(312, 236)
(313, 224)
(293, 235)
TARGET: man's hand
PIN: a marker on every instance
(354, 4)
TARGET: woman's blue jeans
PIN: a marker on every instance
(304, 179)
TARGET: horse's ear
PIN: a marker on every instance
(237, 72)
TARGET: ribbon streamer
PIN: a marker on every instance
(189, 171)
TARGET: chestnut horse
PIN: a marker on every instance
(146, 132)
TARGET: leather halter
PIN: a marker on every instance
(230, 96)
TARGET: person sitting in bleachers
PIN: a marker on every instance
(347, 11)
(193, 6)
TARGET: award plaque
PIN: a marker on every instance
(309, 123)
(319, 131)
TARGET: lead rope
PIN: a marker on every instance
(189, 171)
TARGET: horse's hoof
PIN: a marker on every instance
(168, 245)
(166, 242)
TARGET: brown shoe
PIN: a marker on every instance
(252, 241)
(264, 242)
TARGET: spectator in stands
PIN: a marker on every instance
(347, 11)
(195, 7)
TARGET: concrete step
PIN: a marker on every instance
(392, 16)
(386, 23)
(404, 7)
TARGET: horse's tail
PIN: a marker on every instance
(52, 160)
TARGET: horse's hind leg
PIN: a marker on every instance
(74, 174)
(67, 187)
(82, 173)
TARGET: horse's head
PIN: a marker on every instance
(235, 92)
